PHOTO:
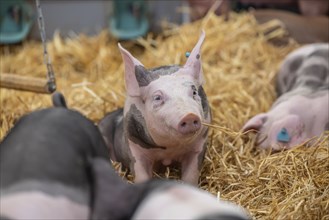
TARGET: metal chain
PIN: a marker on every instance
(46, 58)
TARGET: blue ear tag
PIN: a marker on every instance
(283, 136)
(187, 54)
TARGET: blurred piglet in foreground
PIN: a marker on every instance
(44, 164)
(55, 165)
(301, 111)
(162, 118)
(155, 199)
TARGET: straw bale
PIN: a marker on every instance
(239, 66)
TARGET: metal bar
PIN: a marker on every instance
(46, 57)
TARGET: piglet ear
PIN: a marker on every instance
(255, 123)
(130, 77)
(193, 64)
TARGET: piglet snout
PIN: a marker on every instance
(189, 124)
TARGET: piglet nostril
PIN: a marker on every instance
(189, 124)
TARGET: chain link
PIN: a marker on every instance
(46, 58)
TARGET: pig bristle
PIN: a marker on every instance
(239, 66)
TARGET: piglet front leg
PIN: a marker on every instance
(192, 163)
(141, 165)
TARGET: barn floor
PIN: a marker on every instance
(239, 65)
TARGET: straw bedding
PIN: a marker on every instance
(239, 65)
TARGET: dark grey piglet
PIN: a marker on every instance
(44, 164)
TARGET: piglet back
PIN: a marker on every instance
(306, 67)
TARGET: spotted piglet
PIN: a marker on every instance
(301, 111)
(161, 122)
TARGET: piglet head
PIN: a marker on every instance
(171, 98)
(276, 133)
(136, 76)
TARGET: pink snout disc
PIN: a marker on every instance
(189, 124)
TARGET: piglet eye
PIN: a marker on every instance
(157, 98)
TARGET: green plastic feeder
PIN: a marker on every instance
(129, 20)
(16, 18)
